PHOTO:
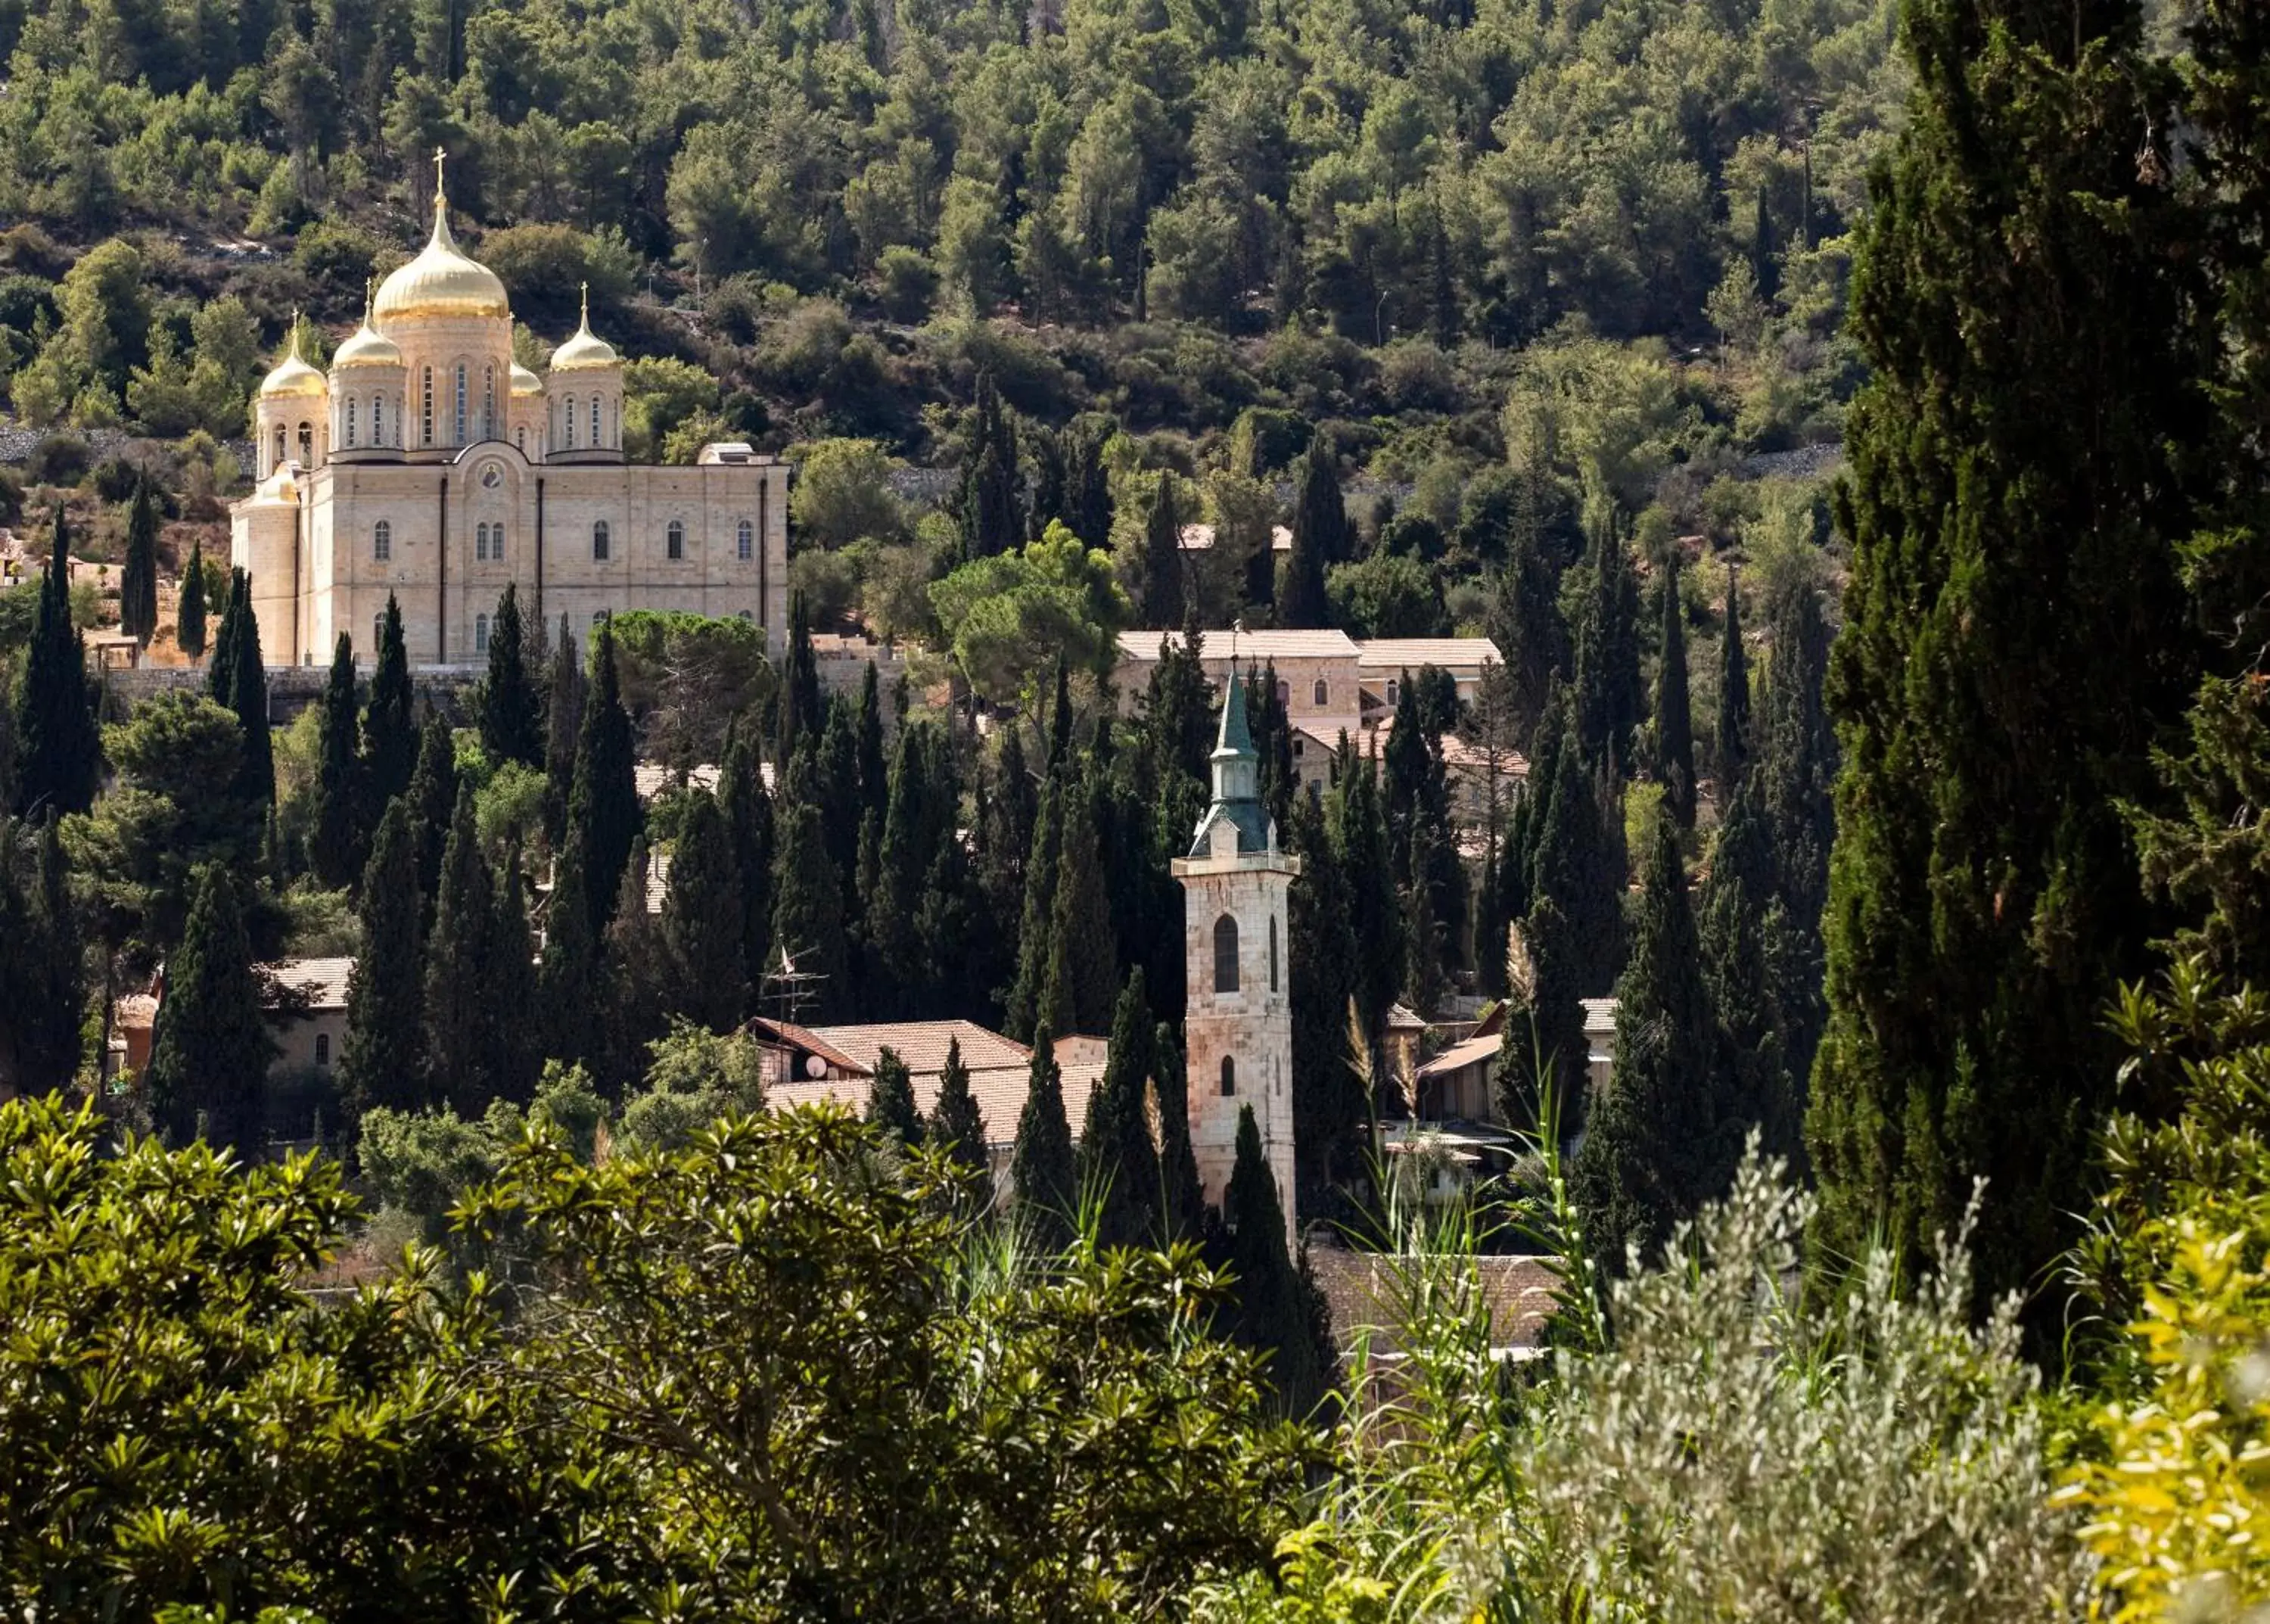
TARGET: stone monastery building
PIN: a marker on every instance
(428, 465)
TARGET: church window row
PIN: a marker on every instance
(488, 544)
(488, 541)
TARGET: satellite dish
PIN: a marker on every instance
(815, 1066)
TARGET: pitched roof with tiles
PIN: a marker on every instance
(999, 1092)
(1388, 654)
(923, 1044)
(312, 984)
(1362, 1290)
(1459, 1056)
(1252, 648)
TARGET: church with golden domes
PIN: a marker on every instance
(426, 466)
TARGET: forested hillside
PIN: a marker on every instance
(1178, 211)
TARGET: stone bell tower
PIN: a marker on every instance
(1238, 1017)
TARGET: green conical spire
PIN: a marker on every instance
(1237, 780)
(1236, 738)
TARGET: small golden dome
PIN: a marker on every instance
(525, 381)
(368, 347)
(441, 280)
(585, 352)
(294, 377)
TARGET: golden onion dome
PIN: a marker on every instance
(585, 352)
(441, 281)
(295, 377)
(368, 347)
(525, 381)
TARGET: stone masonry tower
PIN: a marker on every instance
(1238, 1019)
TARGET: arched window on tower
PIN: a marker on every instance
(1229, 1075)
(595, 421)
(600, 539)
(382, 542)
(744, 541)
(1225, 954)
(378, 420)
(570, 416)
(352, 440)
(1273, 952)
(674, 539)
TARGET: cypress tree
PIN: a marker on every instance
(1163, 589)
(335, 847)
(570, 984)
(1659, 1144)
(835, 791)
(1328, 1102)
(1358, 825)
(604, 798)
(867, 735)
(238, 679)
(891, 1099)
(1733, 730)
(1037, 937)
(1051, 488)
(1607, 681)
(1177, 719)
(42, 963)
(58, 748)
(137, 586)
(903, 861)
(433, 801)
(1737, 920)
(1043, 1172)
(956, 1126)
(1061, 717)
(1271, 1316)
(2015, 638)
(190, 613)
(1084, 968)
(807, 926)
(1320, 520)
(1579, 865)
(1118, 1163)
(800, 715)
(1674, 715)
(461, 1043)
(1524, 621)
(209, 1057)
(511, 715)
(565, 690)
(988, 504)
(517, 1041)
(748, 815)
(1423, 979)
(1765, 248)
(702, 918)
(638, 974)
(389, 727)
(1186, 1216)
(1302, 601)
(381, 1060)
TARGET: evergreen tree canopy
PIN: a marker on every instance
(238, 679)
(42, 961)
(58, 749)
(702, 918)
(639, 973)
(1037, 937)
(747, 809)
(382, 1061)
(138, 585)
(1732, 733)
(1674, 715)
(800, 713)
(433, 801)
(1118, 1162)
(570, 984)
(209, 1056)
(604, 799)
(335, 846)
(956, 1126)
(190, 613)
(1043, 1172)
(389, 727)
(511, 711)
(1606, 676)
(989, 507)
(867, 735)
(891, 1099)
(461, 1014)
(1163, 587)
(518, 1043)
(1328, 1102)
(1271, 1314)
(1524, 621)
(1083, 975)
(807, 924)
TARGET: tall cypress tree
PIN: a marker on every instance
(382, 1061)
(1732, 733)
(58, 749)
(1674, 715)
(238, 679)
(1658, 1143)
(638, 975)
(701, 917)
(1037, 937)
(604, 799)
(1163, 588)
(517, 1043)
(807, 926)
(511, 715)
(42, 963)
(2015, 638)
(1737, 920)
(1424, 982)
(800, 713)
(570, 984)
(190, 612)
(389, 727)
(956, 1125)
(1358, 824)
(137, 586)
(1607, 681)
(431, 799)
(565, 690)
(1043, 1172)
(1118, 1163)
(1524, 621)
(867, 738)
(1328, 1102)
(891, 1099)
(1088, 507)
(209, 1057)
(988, 506)
(1795, 772)
(335, 846)
(1186, 1215)
(1272, 1315)
(1320, 518)
(1084, 966)
(748, 814)
(460, 1046)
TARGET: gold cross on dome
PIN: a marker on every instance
(438, 156)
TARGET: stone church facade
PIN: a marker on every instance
(426, 466)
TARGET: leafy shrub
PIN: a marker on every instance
(59, 459)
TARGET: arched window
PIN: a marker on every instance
(426, 408)
(1323, 694)
(1284, 694)
(488, 401)
(599, 542)
(306, 444)
(1229, 1075)
(277, 462)
(1273, 952)
(381, 543)
(674, 539)
(480, 543)
(744, 541)
(569, 414)
(459, 419)
(1394, 691)
(323, 1049)
(480, 634)
(377, 420)
(594, 420)
(1225, 954)
(520, 438)
(352, 442)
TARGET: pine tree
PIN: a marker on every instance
(431, 799)
(42, 963)
(209, 1054)
(1674, 715)
(891, 1099)
(389, 727)
(1271, 1316)
(511, 715)
(381, 1060)
(460, 1040)
(701, 916)
(1733, 733)
(570, 984)
(604, 799)
(1607, 681)
(748, 815)
(1118, 1163)
(1083, 965)
(1043, 1172)
(1037, 937)
(1659, 1144)
(2015, 636)
(58, 749)
(190, 613)
(1163, 588)
(807, 926)
(956, 1125)
(335, 846)
(565, 691)
(137, 587)
(517, 1043)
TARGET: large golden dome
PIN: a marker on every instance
(441, 281)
